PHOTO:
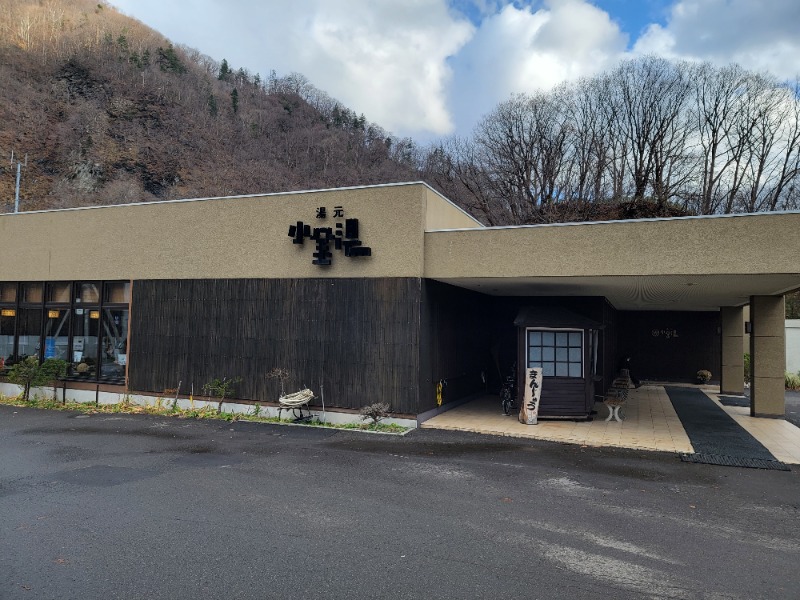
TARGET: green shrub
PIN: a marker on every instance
(220, 388)
(792, 381)
(746, 367)
(28, 373)
(54, 369)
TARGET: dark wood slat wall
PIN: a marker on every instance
(563, 398)
(608, 359)
(455, 342)
(359, 338)
(648, 337)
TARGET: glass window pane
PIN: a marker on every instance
(562, 338)
(59, 291)
(534, 338)
(56, 334)
(88, 293)
(32, 293)
(548, 353)
(575, 354)
(85, 326)
(562, 354)
(575, 370)
(561, 369)
(114, 355)
(6, 340)
(575, 338)
(548, 338)
(117, 292)
(8, 292)
(548, 369)
(30, 331)
(535, 354)
(534, 363)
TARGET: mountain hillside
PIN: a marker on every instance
(107, 111)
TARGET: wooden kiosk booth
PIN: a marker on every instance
(565, 346)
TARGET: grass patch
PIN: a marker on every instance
(164, 409)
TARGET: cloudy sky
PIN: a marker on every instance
(429, 68)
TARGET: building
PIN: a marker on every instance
(383, 292)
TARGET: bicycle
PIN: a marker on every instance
(508, 393)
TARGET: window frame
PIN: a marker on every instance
(568, 362)
(71, 305)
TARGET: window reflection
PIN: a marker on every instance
(30, 331)
(114, 355)
(56, 333)
(84, 342)
(84, 323)
(7, 321)
(88, 293)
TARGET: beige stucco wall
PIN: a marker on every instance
(216, 238)
(443, 214)
(729, 245)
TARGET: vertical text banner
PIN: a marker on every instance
(529, 412)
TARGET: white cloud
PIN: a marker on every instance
(758, 35)
(522, 50)
(422, 68)
(383, 58)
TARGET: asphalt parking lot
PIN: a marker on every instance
(793, 407)
(122, 506)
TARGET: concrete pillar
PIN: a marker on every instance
(767, 356)
(731, 376)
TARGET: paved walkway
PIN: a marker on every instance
(650, 423)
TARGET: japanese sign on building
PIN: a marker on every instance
(665, 333)
(343, 236)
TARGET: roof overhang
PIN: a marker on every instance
(693, 264)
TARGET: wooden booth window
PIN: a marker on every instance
(559, 353)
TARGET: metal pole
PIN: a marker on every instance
(16, 195)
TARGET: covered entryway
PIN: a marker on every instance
(651, 423)
(695, 271)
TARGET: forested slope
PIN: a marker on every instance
(107, 111)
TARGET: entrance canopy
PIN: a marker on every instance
(686, 264)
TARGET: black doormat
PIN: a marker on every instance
(716, 438)
(734, 461)
(742, 401)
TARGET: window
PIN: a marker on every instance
(559, 352)
(30, 332)
(114, 344)
(8, 324)
(83, 322)
(8, 320)
(58, 292)
(56, 333)
(85, 329)
(88, 293)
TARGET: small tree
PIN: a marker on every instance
(235, 101)
(377, 412)
(211, 101)
(54, 369)
(224, 70)
(27, 373)
(220, 388)
(282, 375)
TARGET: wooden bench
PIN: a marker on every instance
(617, 395)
